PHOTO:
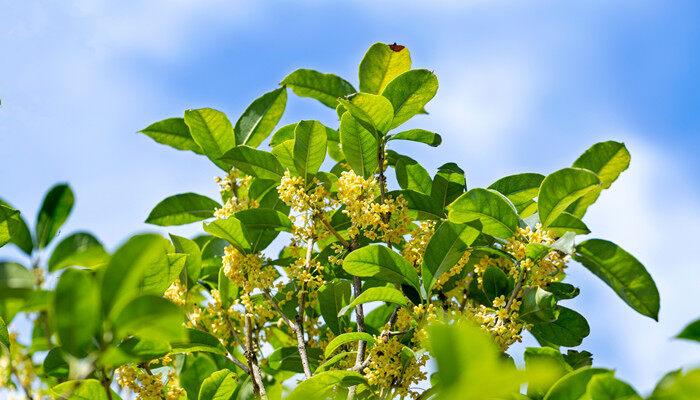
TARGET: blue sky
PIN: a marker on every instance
(524, 87)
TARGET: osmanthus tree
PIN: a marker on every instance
(341, 283)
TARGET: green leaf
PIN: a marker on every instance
(496, 283)
(359, 146)
(16, 281)
(411, 175)
(260, 118)
(181, 209)
(14, 225)
(283, 134)
(4, 336)
(54, 211)
(198, 341)
(194, 371)
(212, 131)
(608, 160)
(288, 359)
(325, 88)
(568, 330)
(622, 272)
(150, 317)
(495, 213)
(384, 293)
(566, 222)
(333, 296)
(420, 136)
(86, 389)
(519, 189)
(80, 249)
(264, 191)
(563, 291)
(345, 338)
(372, 111)
(172, 132)
(422, 204)
(257, 163)
(77, 311)
(284, 152)
(55, 364)
(218, 386)
(250, 230)
(538, 306)
(562, 188)
(382, 263)
(448, 184)
(445, 248)
(573, 385)
(325, 385)
(140, 256)
(607, 387)
(309, 147)
(193, 264)
(409, 93)
(544, 358)
(691, 332)
(381, 64)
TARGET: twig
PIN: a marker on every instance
(361, 345)
(258, 386)
(275, 304)
(301, 343)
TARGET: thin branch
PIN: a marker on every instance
(275, 304)
(332, 230)
(258, 386)
(301, 343)
(361, 345)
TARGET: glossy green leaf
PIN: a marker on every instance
(283, 134)
(193, 264)
(562, 188)
(448, 184)
(264, 191)
(420, 136)
(150, 317)
(54, 211)
(77, 311)
(181, 209)
(372, 111)
(212, 131)
(288, 359)
(14, 225)
(411, 175)
(691, 332)
(16, 281)
(309, 147)
(608, 160)
(80, 249)
(332, 297)
(218, 386)
(172, 132)
(6, 216)
(607, 387)
(423, 205)
(622, 272)
(409, 93)
(4, 337)
(195, 370)
(250, 230)
(326, 88)
(384, 293)
(538, 358)
(445, 248)
(260, 118)
(495, 213)
(496, 283)
(519, 188)
(141, 255)
(566, 222)
(569, 329)
(284, 152)
(359, 146)
(381, 64)
(538, 306)
(326, 385)
(197, 341)
(382, 263)
(254, 162)
(55, 364)
(86, 389)
(573, 385)
(346, 338)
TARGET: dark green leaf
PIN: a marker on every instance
(78, 250)
(250, 230)
(496, 283)
(55, 364)
(566, 222)
(172, 132)
(448, 184)
(325, 88)
(257, 163)
(77, 311)
(212, 131)
(288, 359)
(359, 146)
(4, 336)
(333, 296)
(422, 204)
(691, 332)
(445, 249)
(538, 306)
(181, 209)
(17, 229)
(54, 211)
(578, 359)
(409, 93)
(380, 65)
(622, 272)
(419, 135)
(495, 212)
(193, 264)
(260, 118)
(568, 330)
(382, 263)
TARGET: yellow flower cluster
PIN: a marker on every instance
(148, 386)
(539, 272)
(501, 321)
(393, 369)
(176, 293)
(215, 318)
(311, 278)
(415, 247)
(308, 205)
(17, 362)
(455, 270)
(388, 220)
(236, 189)
(247, 271)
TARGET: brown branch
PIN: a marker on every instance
(258, 386)
(361, 344)
(301, 343)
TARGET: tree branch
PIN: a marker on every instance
(258, 386)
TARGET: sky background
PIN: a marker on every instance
(524, 87)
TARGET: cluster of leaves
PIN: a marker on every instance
(376, 277)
